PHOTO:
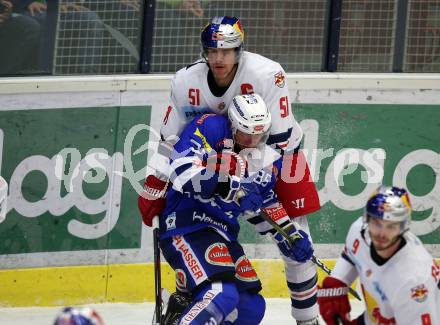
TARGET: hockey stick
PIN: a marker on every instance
(291, 241)
(157, 320)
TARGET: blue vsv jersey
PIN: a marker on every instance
(191, 201)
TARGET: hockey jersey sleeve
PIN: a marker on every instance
(418, 300)
(345, 269)
(189, 169)
(270, 206)
(172, 125)
(174, 121)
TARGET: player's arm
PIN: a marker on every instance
(334, 305)
(174, 120)
(302, 250)
(295, 187)
(418, 301)
(197, 168)
(151, 201)
(333, 293)
(172, 126)
(190, 171)
(333, 301)
(417, 313)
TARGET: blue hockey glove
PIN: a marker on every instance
(302, 249)
(251, 200)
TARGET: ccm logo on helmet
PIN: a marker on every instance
(258, 128)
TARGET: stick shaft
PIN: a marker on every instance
(157, 274)
(291, 241)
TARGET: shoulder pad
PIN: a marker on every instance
(193, 64)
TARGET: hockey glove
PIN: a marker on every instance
(251, 201)
(176, 306)
(152, 202)
(301, 250)
(333, 302)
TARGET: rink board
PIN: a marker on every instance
(73, 150)
(112, 283)
(63, 286)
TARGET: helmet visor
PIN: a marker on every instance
(245, 140)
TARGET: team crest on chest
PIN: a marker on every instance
(221, 106)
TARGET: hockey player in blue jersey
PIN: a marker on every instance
(222, 169)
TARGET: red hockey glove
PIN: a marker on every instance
(152, 202)
(333, 302)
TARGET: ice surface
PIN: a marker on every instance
(277, 312)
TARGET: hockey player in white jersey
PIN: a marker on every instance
(399, 278)
(208, 86)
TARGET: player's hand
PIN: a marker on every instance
(302, 249)
(152, 202)
(333, 302)
(251, 201)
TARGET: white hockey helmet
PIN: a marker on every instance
(78, 316)
(3, 198)
(250, 115)
(389, 203)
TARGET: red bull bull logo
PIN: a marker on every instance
(280, 80)
(419, 293)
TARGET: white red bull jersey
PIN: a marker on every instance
(404, 290)
(191, 96)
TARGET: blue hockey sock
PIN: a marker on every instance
(212, 303)
(251, 308)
